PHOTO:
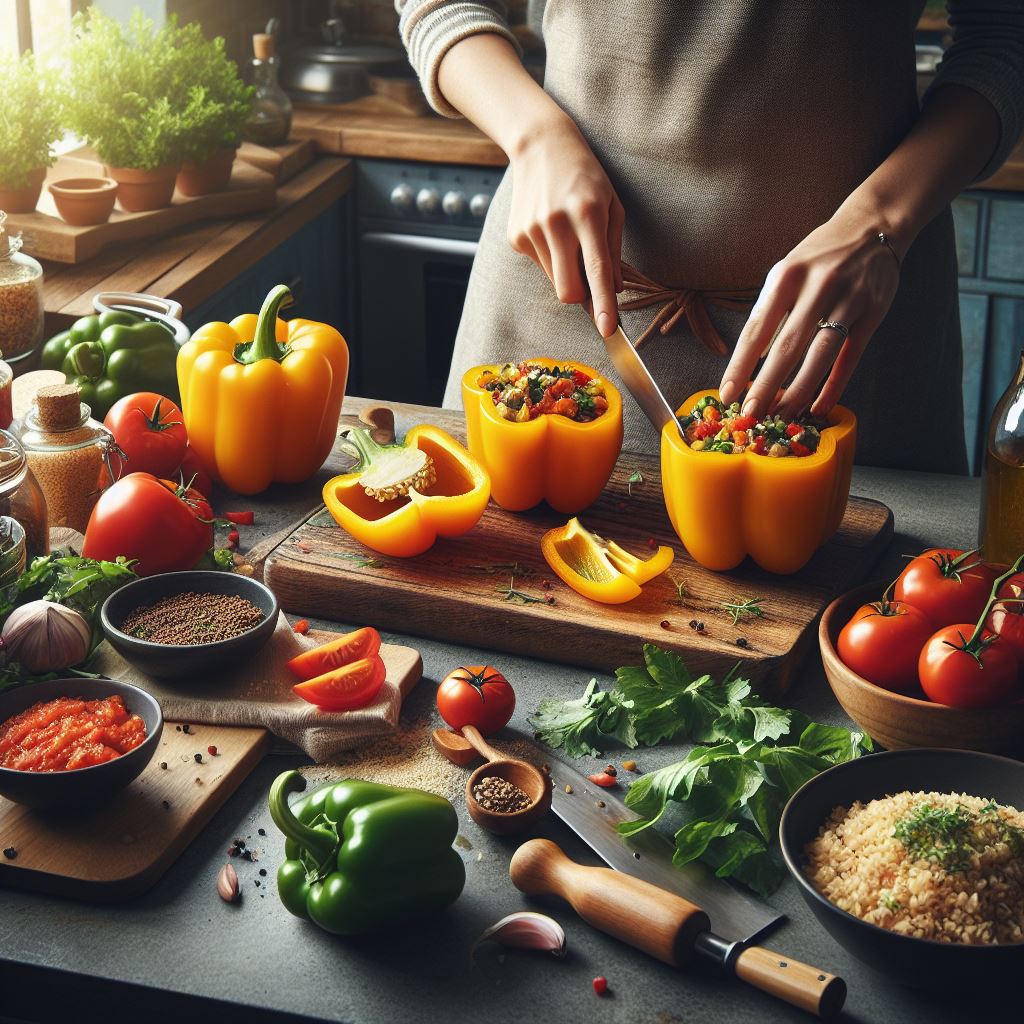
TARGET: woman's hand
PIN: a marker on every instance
(840, 272)
(566, 217)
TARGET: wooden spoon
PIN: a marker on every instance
(463, 749)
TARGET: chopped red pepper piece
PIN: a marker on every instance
(301, 627)
(239, 518)
(603, 779)
(793, 429)
(799, 449)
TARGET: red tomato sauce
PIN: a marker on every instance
(67, 733)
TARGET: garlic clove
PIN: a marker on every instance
(527, 930)
(227, 884)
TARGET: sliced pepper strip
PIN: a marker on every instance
(599, 569)
(409, 525)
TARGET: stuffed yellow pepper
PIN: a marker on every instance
(401, 497)
(545, 431)
(772, 489)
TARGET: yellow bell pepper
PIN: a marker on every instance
(779, 511)
(261, 397)
(399, 505)
(550, 458)
(599, 569)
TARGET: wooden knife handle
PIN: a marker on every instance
(651, 919)
(791, 981)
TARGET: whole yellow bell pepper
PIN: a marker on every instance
(261, 397)
(550, 458)
(778, 511)
(599, 569)
(400, 506)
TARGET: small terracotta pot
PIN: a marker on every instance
(144, 190)
(212, 175)
(83, 201)
(23, 199)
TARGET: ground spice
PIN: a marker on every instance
(499, 795)
(193, 619)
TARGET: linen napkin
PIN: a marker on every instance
(259, 693)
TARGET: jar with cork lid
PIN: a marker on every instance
(271, 119)
(68, 452)
(21, 299)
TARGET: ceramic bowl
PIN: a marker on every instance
(898, 720)
(83, 201)
(916, 962)
(83, 785)
(185, 661)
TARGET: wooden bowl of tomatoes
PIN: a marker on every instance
(911, 678)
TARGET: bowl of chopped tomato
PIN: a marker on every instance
(74, 741)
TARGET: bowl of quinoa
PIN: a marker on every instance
(914, 861)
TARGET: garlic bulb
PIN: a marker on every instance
(44, 637)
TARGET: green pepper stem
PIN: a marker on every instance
(264, 344)
(369, 450)
(321, 845)
(972, 644)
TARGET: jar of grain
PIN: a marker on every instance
(21, 497)
(21, 299)
(67, 450)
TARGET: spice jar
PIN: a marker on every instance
(21, 299)
(21, 497)
(67, 451)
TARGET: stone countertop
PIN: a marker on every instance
(179, 953)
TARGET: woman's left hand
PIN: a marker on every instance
(841, 273)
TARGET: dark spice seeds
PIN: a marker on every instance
(193, 619)
(500, 795)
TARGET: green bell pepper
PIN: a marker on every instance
(362, 856)
(112, 355)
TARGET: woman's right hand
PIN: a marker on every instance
(566, 217)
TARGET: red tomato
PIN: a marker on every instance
(1008, 619)
(476, 695)
(191, 469)
(882, 641)
(150, 430)
(363, 643)
(948, 588)
(346, 688)
(950, 675)
(155, 521)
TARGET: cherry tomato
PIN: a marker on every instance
(150, 430)
(948, 588)
(1008, 619)
(882, 642)
(355, 646)
(346, 688)
(164, 526)
(476, 695)
(953, 676)
(191, 469)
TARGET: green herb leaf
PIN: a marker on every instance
(581, 727)
(636, 477)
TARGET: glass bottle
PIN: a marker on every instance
(21, 299)
(271, 117)
(1001, 534)
(21, 497)
(68, 452)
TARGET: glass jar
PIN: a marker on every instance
(1001, 533)
(21, 497)
(21, 299)
(270, 122)
(68, 453)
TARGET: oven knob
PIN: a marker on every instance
(427, 200)
(454, 204)
(402, 197)
(479, 203)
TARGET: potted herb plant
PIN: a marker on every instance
(29, 124)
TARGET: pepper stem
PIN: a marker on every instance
(321, 845)
(390, 471)
(264, 344)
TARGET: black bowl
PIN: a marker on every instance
(82, 785)
(917, 962)
(168, 661)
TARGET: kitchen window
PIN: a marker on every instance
(43, 26)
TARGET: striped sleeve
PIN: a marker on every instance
(430, 28)
(987, 56)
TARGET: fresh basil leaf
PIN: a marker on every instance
(693, 838)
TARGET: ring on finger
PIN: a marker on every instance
(832, 325)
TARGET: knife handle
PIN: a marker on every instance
(795, 983)
(655, 921)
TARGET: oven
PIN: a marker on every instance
(417, 228)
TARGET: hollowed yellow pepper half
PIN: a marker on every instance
(599, 569)
(409, 523)
(261, 397)
(778, 511)
(550, 458)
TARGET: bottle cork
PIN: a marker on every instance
(59, 406)
(263, 45)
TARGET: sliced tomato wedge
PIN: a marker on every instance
(346, 688)
(354, 646)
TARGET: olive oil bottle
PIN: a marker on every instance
(1001, 533)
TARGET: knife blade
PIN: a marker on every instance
(638, 380)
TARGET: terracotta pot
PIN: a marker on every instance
(83, 201)
(144, 190)
(24, 199)
(212, 175)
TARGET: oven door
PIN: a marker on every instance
(412, 289)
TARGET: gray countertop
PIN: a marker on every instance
(179, 953)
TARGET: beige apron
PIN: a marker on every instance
(731, 129)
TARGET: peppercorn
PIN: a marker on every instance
(10, 853)
(665, 624)
(651, 542)
(166, 804)
(186, 728)
(600, 803)
(741, 641)
(610, 770)
(261, 831)
(163, 765)
(549, 598)
(211, 750)
(700, 627)
(600, 985)
(263, 871)
(197, 757)
(693, 623)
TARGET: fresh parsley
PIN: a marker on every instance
(740, 607)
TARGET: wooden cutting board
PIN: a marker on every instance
(284, 161)
(458, 590)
